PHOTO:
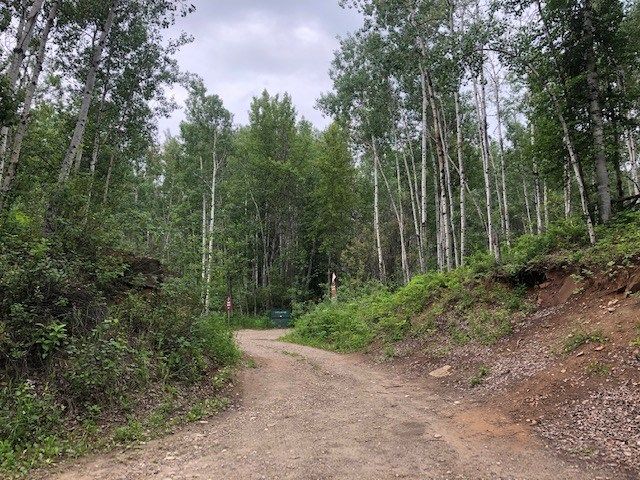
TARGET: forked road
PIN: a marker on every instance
(311, 414)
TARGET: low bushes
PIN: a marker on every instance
(456, 303)
(84, 337)
(567, 243)
(468, 304)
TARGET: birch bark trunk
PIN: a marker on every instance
(463, 180)
(412, 181)
(26, 29)
(8, 177)
(567, 189)
(444, 223)
(87, 95)
(537, 193)
(633, 161)
(204, 236)
(527, 206)
(484, 142)
(414, 211)
(444, 135)
(212, 216)
(376, 211)
(595, 112)
(545, 197)
(584, 202)
(503, 174)
(397, 210)
(423, 160)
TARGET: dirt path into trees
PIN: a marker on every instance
(310, 414)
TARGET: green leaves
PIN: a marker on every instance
(52, 337)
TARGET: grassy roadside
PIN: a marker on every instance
(93, 340)
(475, 303)
(250, 322)
(39, 429)
(172, 408)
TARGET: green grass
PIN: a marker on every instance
(598, 368)
(472, 312)
(250, 322)
(579, 338)
(467, 304)
(479, 377)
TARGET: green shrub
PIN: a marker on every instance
(333, 325)
(100, 367)
(74, 315)
(565, 235)
(216, 340)
(133, 431)
(251, 322)
(479, 377)
(567, 242)
(472, 312)
(28, 414)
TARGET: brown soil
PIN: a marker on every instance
(585, 403)
(309, 414)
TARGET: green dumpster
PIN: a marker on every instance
(280, 318)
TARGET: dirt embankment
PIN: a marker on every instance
(570, 370)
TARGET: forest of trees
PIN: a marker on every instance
(457, 127)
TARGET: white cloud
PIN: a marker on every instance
(245, 46)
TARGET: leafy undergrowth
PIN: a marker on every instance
(566, 243)
(89, 339)
(251, 322)
(468, 304)
(460, 303)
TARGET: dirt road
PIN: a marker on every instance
(310, 414)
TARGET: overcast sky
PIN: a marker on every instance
(241, 47)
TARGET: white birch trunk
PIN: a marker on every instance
(23, 38)
(537, 193)
(545, 201)
(453, 242)
(212, 216)
(527, 206)
(397, 210)
(503, 173)
(576, 168)
(441, 207)
(412, 181)
(8, 177)
(423, 161)
(376, 211)
(204, 236)
(567, 190)
(414, 211)
(463, 179)
(633, 161)
(87, 94)
(483, 136)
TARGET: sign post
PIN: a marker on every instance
(334, 287)
(229, 308)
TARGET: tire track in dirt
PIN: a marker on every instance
(305, 413)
